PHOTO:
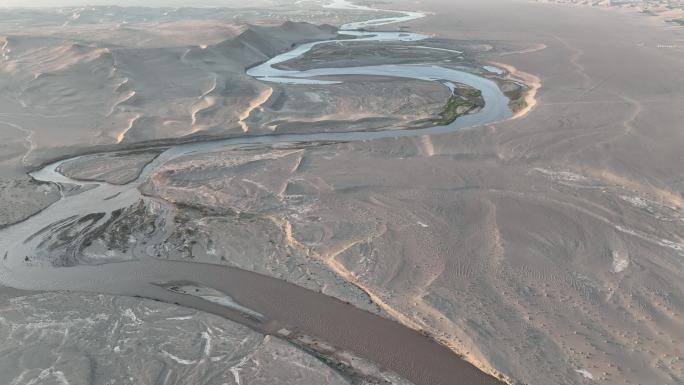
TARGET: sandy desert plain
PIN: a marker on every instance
(383, 192)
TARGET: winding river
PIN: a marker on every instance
(283, 305)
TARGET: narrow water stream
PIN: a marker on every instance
(387, 343)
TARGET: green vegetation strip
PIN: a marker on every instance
(517, 105)
(449, 113)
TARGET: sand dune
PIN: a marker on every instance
(128, 94)
(545, 249)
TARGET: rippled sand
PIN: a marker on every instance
(546, 249)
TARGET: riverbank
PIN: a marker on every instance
(29, 250)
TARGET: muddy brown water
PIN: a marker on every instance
(386, 343)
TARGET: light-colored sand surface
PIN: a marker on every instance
(64, 91)
(22, 197)
(664, 11)
(547, 249)
(115, 168)
(76, 78)
(445, 250)
(66, 94)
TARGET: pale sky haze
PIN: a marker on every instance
(127, 3)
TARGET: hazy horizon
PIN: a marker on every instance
(126, 3)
